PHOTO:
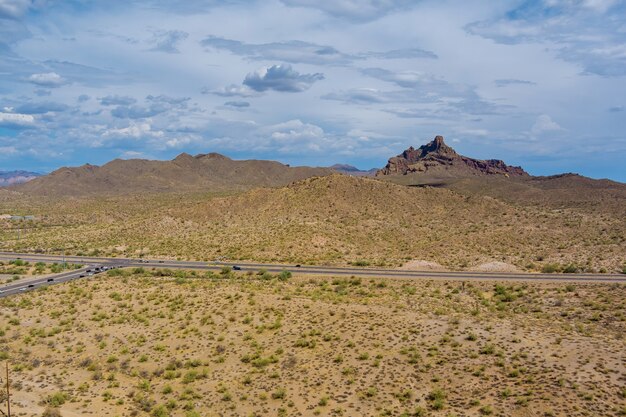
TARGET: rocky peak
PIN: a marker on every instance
(436, 156)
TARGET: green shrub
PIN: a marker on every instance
(284, 275)
(57, 399)
(279, 394)
(550, 268)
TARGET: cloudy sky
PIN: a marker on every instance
(538, 83)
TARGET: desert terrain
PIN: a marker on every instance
(335, 219)
(161, 343)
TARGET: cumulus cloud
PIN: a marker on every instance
(48, 79)
(132, 155)
(231, 90)
(168, 41)
(134, 131)
(295, 136)
(543, 124)
(16, 120)
(281, 78)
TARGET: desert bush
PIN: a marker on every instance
(550, 268)
(57, 399)
(51, 412)
(437, 399)
(284, 275)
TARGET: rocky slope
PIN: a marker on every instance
(438, 158)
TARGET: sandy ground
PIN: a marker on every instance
(495, 267)
(146, 345)
(421, 265)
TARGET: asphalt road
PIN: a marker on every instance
(92, 262)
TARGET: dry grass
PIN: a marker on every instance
(160, 344)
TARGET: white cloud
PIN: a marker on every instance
(132, 155)
(232, 91)
(48, 79)
(544, 123)
(281, 78)
(134, 131)
(16, 120)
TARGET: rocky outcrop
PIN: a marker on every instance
(436, 156)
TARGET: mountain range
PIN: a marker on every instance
(434, 164)
(16, 177)
(428, 203)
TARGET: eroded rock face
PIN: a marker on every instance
(437, 156)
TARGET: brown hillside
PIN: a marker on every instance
(185, 173)
(335, 219)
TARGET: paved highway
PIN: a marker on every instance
(92, 262)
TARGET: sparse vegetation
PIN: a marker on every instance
(340, 220)
(159, 343)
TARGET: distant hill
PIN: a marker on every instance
(437, 158)
(16, 177)
(185, 173)
(352, 170)
(337, 219)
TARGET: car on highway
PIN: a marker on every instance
(236, 268)
(81, 276)
(31, 285)
(50, 280)
(298, 266)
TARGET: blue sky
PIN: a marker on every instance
(538, 83)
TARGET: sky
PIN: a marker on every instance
(537, 83)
